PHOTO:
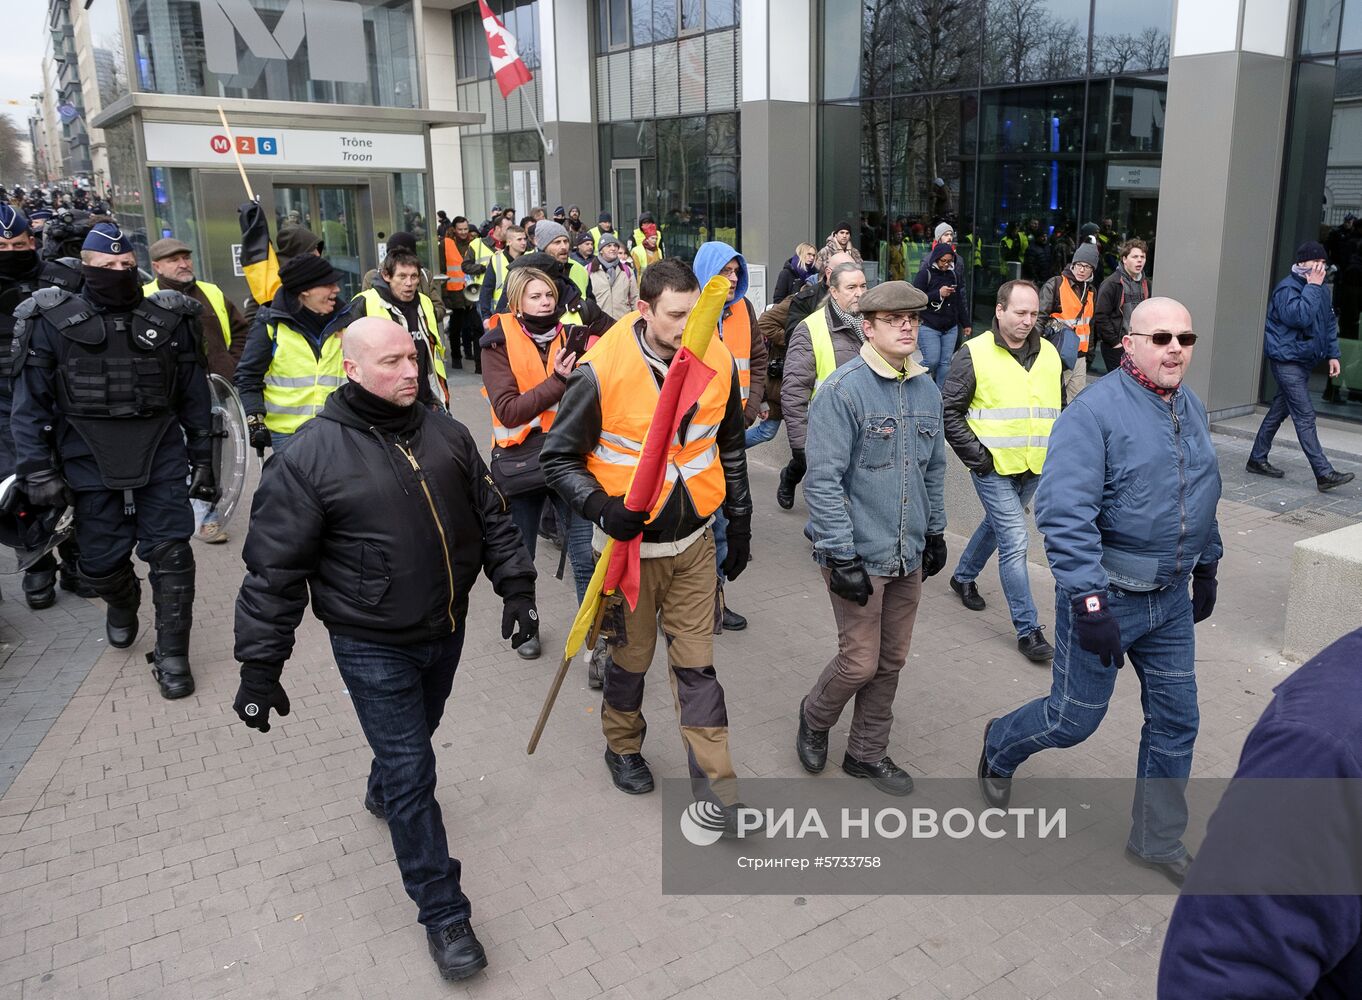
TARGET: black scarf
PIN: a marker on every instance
(378, 412)
(114, 291)
(15, 265)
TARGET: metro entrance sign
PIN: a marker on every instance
(174, 143)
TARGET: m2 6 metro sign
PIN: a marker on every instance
(333, 30)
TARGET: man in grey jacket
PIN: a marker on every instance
(828, 337)
(875, 446)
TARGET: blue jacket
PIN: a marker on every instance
(875, 446)
(1129, 490)
(1265, 946)
(1300, 326)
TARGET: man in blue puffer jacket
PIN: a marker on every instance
(1127, 507)
(1301, 332)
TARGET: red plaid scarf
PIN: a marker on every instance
(1128, 366)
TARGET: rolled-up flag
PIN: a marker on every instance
(258, 261)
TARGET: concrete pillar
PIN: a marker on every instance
(437, 28)
(777, 121)
(565, 74)
(1229, 82)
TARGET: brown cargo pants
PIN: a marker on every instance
(678, 592)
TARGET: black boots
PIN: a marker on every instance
(995, 788)
(884, 774)
(811, 744)
(629, 772)
(172, 589)
(121, 592)
(40, 583)
(456, 951)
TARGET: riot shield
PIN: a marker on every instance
(231, 445)
(32, 532)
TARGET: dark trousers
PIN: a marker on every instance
(1293, 398)
(399, 694)
(106, 535)
(1111, 355)
(526, 511)
(465, 329)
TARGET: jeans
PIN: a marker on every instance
(278, 442)
(719, 527)
(399, 694)
(937, 347)
(1157, 635)
(762, 431)
(525, 513)
(204, 513)
(1003, 528)
(1293, 397)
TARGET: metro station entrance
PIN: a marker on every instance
(342, 215)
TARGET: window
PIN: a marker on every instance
(521, 19)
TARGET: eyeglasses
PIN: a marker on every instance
(1163, 338)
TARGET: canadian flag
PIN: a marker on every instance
(507, 66)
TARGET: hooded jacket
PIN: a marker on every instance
(386, 555)
(952, 311)
(710, 259)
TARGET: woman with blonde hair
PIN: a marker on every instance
(797, 270)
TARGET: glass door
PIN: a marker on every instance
(341, 216)
(624, 195)
(524, 188)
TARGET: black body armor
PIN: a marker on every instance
(52, 274)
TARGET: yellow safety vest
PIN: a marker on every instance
(578, 276)
(376, 305)
(1013, 409)
(824, 354)
(215, 298)
(298, 381)
(642, 257)
(482, 253)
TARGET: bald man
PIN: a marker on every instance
(1127, 507)
(385, 513)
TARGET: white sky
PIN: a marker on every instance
(21, 69)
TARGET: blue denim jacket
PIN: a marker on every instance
(876, 466)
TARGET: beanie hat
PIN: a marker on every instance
(1089, 229)
(1087, 253)
(105, 237)
(843, 225)
(401, 241)
(609, 238)
(605, 217)
(308, 271)
(546, 231)
(584, 237)
(941, 229)
(1311, 250)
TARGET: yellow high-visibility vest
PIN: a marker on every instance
(376, 305)
(824, 354)
(216, 301)
(298, 381)
(1013, 409)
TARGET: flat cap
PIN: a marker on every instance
(168, 247)
(893, 296)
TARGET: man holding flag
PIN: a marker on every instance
(592, 457)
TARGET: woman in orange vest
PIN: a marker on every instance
(1068, 300)
(527, 355)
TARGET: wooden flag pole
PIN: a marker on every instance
(236, 155)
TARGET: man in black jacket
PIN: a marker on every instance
(386, 513)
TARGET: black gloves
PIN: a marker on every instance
(518, 615)
(203, 483)
(615, 519)
(1203, 590)
(850, 581)
(797, 461)
(260, 434)
(260, 691)
(739, 548)
(1097, 631)
(47, 489)
(934, 555)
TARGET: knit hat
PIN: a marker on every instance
(546, 231)
(1311, 250)
(401, 241)
(559, 211)
(1087, 253)
(1089, 229)
(583, 237)
(941, 229)
(605, 217)
(105, 237)
(296, 241)
(842, 225)
(307, 271)
(609, 238)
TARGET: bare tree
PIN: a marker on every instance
(1015, 30)
(1116, 53)
(13, 166)
(1154, 48)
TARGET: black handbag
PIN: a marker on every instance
(516, 470)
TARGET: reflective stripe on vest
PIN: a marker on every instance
(453, 266)
(1073, 313)
(736, 331)
(376, 305)
(298, 381)
(530, 370)
(628, 394)
(216, 301)
(820, 336)
(1013, 409)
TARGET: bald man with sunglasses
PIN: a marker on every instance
(1127, 507)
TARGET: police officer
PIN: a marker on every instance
(113, 382)
(21, 274)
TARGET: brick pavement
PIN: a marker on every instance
(158, 849)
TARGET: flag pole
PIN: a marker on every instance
(235, 154)
(548, 143)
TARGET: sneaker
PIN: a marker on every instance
(969, 594)
(1034, 647)
(1326, 483)
(212, 532)
(456, 951)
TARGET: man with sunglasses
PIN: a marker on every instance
(1127, 507)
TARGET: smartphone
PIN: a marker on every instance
(577, 341)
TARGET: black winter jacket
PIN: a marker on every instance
(577, 430)
(388, 551)
(952, 311)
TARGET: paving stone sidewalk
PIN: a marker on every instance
(157, 849)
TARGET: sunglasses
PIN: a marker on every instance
(1163, 338)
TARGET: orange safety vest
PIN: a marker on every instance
(629, 394)
(736, 330)
(453, 266)
(530, 370)
(1075, 313)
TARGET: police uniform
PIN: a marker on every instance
(22, 273)
(110, 386)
